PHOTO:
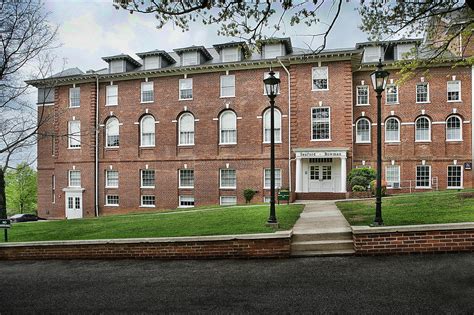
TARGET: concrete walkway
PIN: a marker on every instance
(321, 216)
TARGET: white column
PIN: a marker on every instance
(343, 174)
(299, 175)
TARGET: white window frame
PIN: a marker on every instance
(327, 78)
(107, 131)
(460, 129)
(225, 58)
(220, 178)
(141, 179)
(147, 206)
(399, 130)
(366, 87)
(278, 134)
(271, 51)
(179, 129)
(181, 197)
(277, 178)
(266, 75)
(180, 179)
(142, 120)
(429, 129)
(142, 85)
(186, 59)
(386, 95)
(107, 179)
(227, 204)
(69, 183)
(75, 137)
(392, 182)
(459, 91)
(111, 99)
(429, 177)
(182, 81)
(108, 204)
(427, 92)
(71, 90)
(222, 86)
(221, 142)
(358, 140)
(447, 177)
(312, 121)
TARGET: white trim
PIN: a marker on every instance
(107, 178)
(69, 178)
(179, 178)
(462, 177)
(220, 178)
(370, 130)
(107, 87)
(357, 95)
(141, 179)
(107, 204)
(398, 96)
(220, 200)
(263, 125)
(141, 91)
(179, 129)
(269, 186)
(187, 196)
(429, 129)
(454, 101)
(146, 206)
(416, 176)
(312, 79)
(311, 125)
(385, 130)
(460, 127)
(220, 87)
(179, 89)
(427, 93)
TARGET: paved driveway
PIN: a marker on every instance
(404, 284)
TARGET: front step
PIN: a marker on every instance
(341, 252)
(343, 235)
(326, 245)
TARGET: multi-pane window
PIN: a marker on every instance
(272, 50)
(363, 95)
(111, 95)
(454, 176)
(391, 94)
(392, 130)
(267, 176)
(186, 201)
(266, 75)
(75, 97)
(147, 131)
(147, 178)
(111, 179)
(454, 91)
(392, 176)
(186, 129)
(227, 85)
(422, 92)
(147, 92)
(423, 176)
(422, 129)
(228, 178)
(453, 129)
(321, 122)
(74, 134)
(186, 178)
(228, 127)
(147, 200)
(228, 200)
(230, 54)
(74, 178)
(111, 200)
(112, 132)
(320, 78)
(190, 58)
(267, 130)
(363, 131)
(185, 89)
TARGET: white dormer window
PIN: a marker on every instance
(272, 51)
(117, 66)
(372, 54)
(404, 51)
(230, 54)
(190, 58)
(151, 62)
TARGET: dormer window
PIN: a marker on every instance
(404, 51)
(116, 66)
(190, 58)
(230, 54)
(372, 54)
(272, 51)
(151, 62)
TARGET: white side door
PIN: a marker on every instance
(73, 205)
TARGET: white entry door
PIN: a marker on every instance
(320, 178)
(73, 205)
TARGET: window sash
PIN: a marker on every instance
(320, 77)
(186, 178)
(267, 128)
(74, 134)
(147, 93)
(112, 200)
(148, 200)
(230, 54)
(185, 89)
(392, 174)
(190, 58)
(423, 176)
(111, 92)
(228, 200)
(422, 93)
(363, 131)
(363, 95)
(228, 178)
(147, 178)
(454, 91)
(266, 175)
(454, 176)
(147, 131)
(321, 123)
(392, 130)
(186, 201)
(454, 129)
(227, 85)
(391, 94)
(422, 129)
(186, 130)
(75, 97)
(112, 179)
(74, 178)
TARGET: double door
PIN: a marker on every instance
(321, 177)
(73, 205)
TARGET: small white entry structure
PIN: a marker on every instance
(73, 201)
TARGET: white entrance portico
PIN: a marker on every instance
(321, 170)
(73, 200)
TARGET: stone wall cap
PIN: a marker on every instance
(413, 228)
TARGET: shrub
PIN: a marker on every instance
(248, 194)
(373, 186)
(365, 172)
(360, 181)
(356, 188)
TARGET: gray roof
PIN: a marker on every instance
(122, 57)
(201, 49)
(395, 41)
(284, 40)
(157, 52)
(68, 72)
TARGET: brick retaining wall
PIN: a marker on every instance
(276, 245)
(431, 238)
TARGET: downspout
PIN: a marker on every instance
(96, 156)
(289, 124)
(472, 118)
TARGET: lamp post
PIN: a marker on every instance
(379, 81)
(272, 87)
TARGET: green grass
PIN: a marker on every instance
(419, 208)
(210, 221)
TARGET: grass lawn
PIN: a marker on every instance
(213, 221)
(419, 208)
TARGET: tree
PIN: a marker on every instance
(26, 39)
(21, 188)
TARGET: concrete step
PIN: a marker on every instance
(302, 237)
(326, 245)
(341, 252)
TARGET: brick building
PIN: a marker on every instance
(191, 127)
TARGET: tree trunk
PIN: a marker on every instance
(3, 198)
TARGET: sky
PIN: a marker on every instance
(91, 29)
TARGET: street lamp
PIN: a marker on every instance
(272, 87)
(379, 81)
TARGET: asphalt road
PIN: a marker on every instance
(402, 284)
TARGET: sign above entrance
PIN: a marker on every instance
(316, 154)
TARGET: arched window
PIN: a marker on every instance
(112, 132)
(363, 131)
(392, 130)
(228, 127)
(147, 131)
(267, 128)
(454, 129)
(186, 129)
(422, 129)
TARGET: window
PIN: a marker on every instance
(111, 179)
(147, 131)
(53, 189)
(422, 93)
(228, 200)
(454, 91)
(363, 95)
(227, 85)
(423, 176)
(265, 76)
(228, 178)
(363, 131)
(186, 129)
(392, 173)
(321, 123)
(151, 62)
(454, 176)
(111, 200)
(422, 129)
(111, 95)
(112, 133)
(391, 94)
(147, 201)
(74, 132)
(190, 58)
(45, 95)
(453, 129)
(230, 54)
(320, 78)
(117, 66)
(272, 51)
(147, 179)
(267, 128)
(266, 184)
(185, 89)
(147, 92)
(228, 127)
(74, 178)
(405, 51)
(186, 178)
(75, 97)
(392, 130)
(186, 201)
(372, 54)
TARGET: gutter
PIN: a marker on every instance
(96, 155)
(289, 124)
